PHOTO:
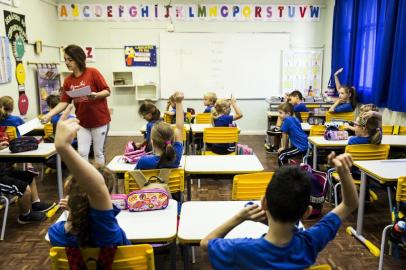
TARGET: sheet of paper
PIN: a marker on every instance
(28, 126)
(80, 92)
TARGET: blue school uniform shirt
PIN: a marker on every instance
(12, 121)
(56, 117)
(104, 231)
(301, 107)
(208, 109)
(151, 162)
(224, 120)
(297, 136)
(343, 107)
(147, 134)
(359, 140)
(248, 253)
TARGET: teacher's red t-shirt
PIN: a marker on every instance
(91, 113)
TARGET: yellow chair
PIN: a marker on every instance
(219, 135)
(176, 181)
(250, 186)
(48, 130)
(345, 116)
(321, 267)
(363, 152)
(387, 130)
(168, 118)
(11, 132)
(203, 118)
(140, 257)
(317, 130)
(304, 116)
(400, 198)
(402, 130)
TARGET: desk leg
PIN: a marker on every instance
(314, 157)
(173, 255)
(59, 176)
(189, 188)
(186, 263)
(361, 203)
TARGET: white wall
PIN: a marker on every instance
(40, 23)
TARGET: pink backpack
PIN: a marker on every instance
(243, 149)
(132, 154)
(147, 200)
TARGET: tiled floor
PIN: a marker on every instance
(24, 246)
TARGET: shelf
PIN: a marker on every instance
(124, 85)
(125, 77)
(146, 91)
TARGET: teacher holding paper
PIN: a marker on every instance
(91, 110)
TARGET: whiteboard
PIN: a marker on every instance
(247, 65)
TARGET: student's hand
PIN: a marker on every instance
(44, 118)
(280, 150)
(93, 96)
(138, 145)
(342, 163)
(368, 114)
(233, 100)
(252, 212)
(63, 203)
(4, 143)
(66, 129)
(338, 71)
(178, 96)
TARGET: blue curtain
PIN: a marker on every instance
(367, 42)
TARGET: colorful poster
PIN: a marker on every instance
(15, 26)
(48, 82)
(140, 55)
(5, 61)
(190, 12)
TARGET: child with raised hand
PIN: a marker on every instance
(152, 115)
(291, 130)
(92, 218)
(286, 201)
(209, 100)
(346, 96)
(167, 144)
(171, 108)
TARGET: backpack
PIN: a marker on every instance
(243, 149)
(23, 144)
(332, 133)
(315, 120)
(103, 262)
(132, 154)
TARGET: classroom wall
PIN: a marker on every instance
(110, 38)
(40, 25)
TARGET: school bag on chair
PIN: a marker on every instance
(132, 153)
(154, 192)
(332, 133)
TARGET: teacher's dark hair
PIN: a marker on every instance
(78, 55)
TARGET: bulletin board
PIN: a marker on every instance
(301, 69)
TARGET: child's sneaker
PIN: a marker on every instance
(274, 131)
(42, 206)
(31, 217)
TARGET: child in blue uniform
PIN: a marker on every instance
(222, 118)
(52, 101)
(296, 99)
(291, 130)
(6, 109)
(92, 216)
(171, 109)
(286, 201)
(167, 144)
(152, 115)
(346, 96)
(368, 130)
(209, 101)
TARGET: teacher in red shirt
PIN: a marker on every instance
(92, 110)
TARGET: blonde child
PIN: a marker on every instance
(368, 130)
(347, 96)
(291, 130)
(209, 101)
(286, 201)
(92, 216)
(167, 144)
(221, 117)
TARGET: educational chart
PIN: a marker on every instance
(48, 82)
(301, 69)
(5, 62)
(246, 65)
(140, 56)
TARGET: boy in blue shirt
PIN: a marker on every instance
(209, 101)
(292, 130)
(296, 99)
(287, 199)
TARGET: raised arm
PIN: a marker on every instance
(336, 79)
(238, 113)
(87, 176)
(180, 118)
(349, 203)
(57, 109)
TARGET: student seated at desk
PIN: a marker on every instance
(171, 108)
(209, 100)
(152, 115)
(368, 130)
(23, 184)
(167, 144)
(92, 216)
(346, 96)
(296, 99)
(291, 130)
(52, 101)
(286, 201)
(6, 110)
(368, 111)
(221, 117)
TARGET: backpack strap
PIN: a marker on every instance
(139, 178)
(164, 174)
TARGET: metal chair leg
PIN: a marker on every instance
(383, 246)
(336, 193)
(390, 200)
(193, 255)
(3, 227)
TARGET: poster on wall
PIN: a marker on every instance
(140, 55)
(48, 82)
(15, 26)
(5, 62)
